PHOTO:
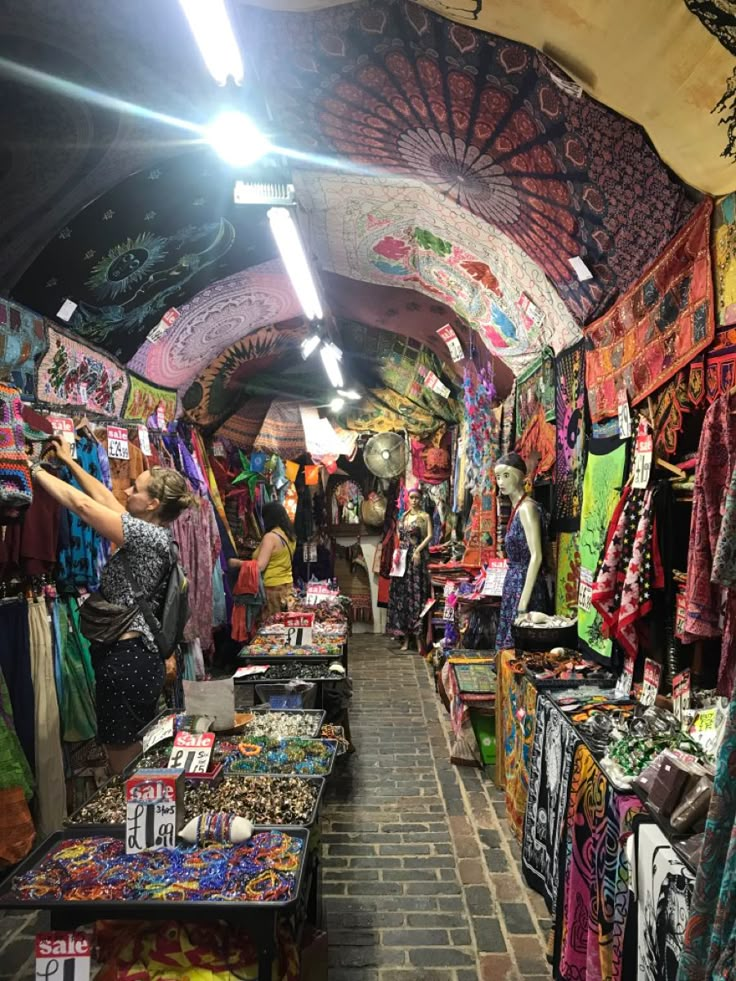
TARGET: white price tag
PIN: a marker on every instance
(153, 809)
(624, 415)
(117, 443)
(218, 449)
(450, 338)
(625, 679)
(82, 393)
(167, 321)
(144, 440)
(643, 461)
(66, 310)
(192, 752)
(160, 730)
(495, 577)
(581, 270)
(64, 426)
(585, 591)
(650, 685)
(432, 382)
(62, 956)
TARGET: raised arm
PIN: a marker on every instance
(106, 521)
(89, 484)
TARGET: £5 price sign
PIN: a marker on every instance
(192, 751)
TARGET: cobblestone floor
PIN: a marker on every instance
(422, 879)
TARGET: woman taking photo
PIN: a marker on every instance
(274, 556)
(129, 671)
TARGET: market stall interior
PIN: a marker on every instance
(367, 490)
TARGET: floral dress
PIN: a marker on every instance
(410, 592)
(519, 556)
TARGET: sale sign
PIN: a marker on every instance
(63, 426)
(117, 443)
(154, 802)
(299, 628)
(452, 341)
(62, 956)
(192, 751)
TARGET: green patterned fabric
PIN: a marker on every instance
(78, 716)
(14, 768)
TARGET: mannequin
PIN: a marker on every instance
(524, 588)
(410, 592)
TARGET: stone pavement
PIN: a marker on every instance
(422, 879)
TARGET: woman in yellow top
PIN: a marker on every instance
(274, 556)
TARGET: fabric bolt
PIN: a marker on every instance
(16, 492)
(710, 935)
(593, 897)
(518, 556)
(630, 569)
(147, 549)
(724, 559)
(567, 584)
(76, 376)
(129, 681)
(518, 720)
(197, 535)
(570, 429)
(50, 805)
(22, 339)
(408, 593)
(77, 704)
(550, 770)
(602, 483)
(15, 664)
(664, 888)
(658, 326)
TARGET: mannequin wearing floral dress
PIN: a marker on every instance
(410, 592)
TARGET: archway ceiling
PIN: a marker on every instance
(404, 102)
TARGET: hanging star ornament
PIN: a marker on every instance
(250, 477)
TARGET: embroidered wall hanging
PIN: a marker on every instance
(535, 388)
(724, 259)
(658, 326)
(144, 399)
(22, 339)
(570, 432)
(74, 375)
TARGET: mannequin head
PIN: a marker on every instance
(415, 499)
(510, 473)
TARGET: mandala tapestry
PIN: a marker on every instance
(396, 88)
(144, 399)
(22, 339)
(74, 376)
(658, 326)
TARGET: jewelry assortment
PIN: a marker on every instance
(271, 647)
(265, 869)
(281, 725)
(264, 800)
(298, 755)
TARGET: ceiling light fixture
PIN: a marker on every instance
(331, 356)
(336, 404)
(213, 32)
(235, 138)
(309, 345)
(294, 258)
(350, 393)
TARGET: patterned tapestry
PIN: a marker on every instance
(658, 326)
(724, 260)
(144, 399)
(570, 428)
(76, 376)
(149, 244)
(243, 427)
(22, 339)
(399, 233)
(282, 430)
(567, 581)
(217, 317)
(535, 414)
(395, 88)
(211, 398)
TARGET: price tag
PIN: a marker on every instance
(585, 591)
(495, 576)
(117, 443)
(704, 720)
(64, 426)
(452, 341)
(192, 751)
(530, 310)
(218, 449)
(650, 686)
(681, 693)
(160, 730)
(581, 270)
(299, 628)
(449, 593)
(624, 415)
(167, 321)
(154, 809)
(161, 417)
(643, 461)
(82, 393)
(66, 310)
(144, 440)
(62, 956)
(626, 678)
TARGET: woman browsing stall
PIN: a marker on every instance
(129, 670)
(274, 556)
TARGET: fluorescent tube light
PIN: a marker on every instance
(213, 32)
(309, 344)
(336, 404)
(236, 139)
(295, 260)
(349, 394)
(331, 355)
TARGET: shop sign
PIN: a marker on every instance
(154, 804)
(495, 576)
(192, 752)
(117, 443)
(650, 687)
(63, 426)
(452, 341)
(62, 956)
(144, 440)
(299, 628)
(624, 415)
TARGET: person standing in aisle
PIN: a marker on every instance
(410, 580)
(274, 556)
(129, 671)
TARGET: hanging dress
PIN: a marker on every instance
(519, 557)
(410, 592)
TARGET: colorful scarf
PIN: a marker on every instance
(15, 477)
(604, 472)
(570, 426)
(658, 326)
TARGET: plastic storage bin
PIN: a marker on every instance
(292, 695)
